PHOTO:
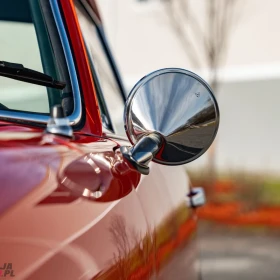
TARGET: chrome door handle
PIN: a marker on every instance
(196, 197)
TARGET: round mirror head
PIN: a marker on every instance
(179, 106)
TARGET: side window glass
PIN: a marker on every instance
(102, 69)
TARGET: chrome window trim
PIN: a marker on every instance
(75, 117)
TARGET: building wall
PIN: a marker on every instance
(143, 41)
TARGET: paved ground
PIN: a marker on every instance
(228, 254)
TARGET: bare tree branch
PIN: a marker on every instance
(178, 29)
(211, 39)
(186, 11)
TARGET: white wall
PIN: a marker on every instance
(249, 98)
(142, 39)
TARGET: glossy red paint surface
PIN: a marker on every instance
(74, 209)
(47, 225)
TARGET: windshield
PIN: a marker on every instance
(30, 39)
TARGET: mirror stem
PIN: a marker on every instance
(143, 152)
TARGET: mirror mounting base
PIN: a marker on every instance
(143, 152)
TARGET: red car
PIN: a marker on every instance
(82, 194)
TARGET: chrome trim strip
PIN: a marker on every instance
(75, 117)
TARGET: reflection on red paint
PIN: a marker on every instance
(149, 255)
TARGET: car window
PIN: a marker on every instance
(103, 74)
(25, 39)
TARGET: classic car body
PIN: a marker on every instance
(74, 208)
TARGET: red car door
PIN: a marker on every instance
(170, 223)
(74, 207)
(66, 203)
(63, 205)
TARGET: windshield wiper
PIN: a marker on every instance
(19, 72)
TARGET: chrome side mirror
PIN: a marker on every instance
(171, 117)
